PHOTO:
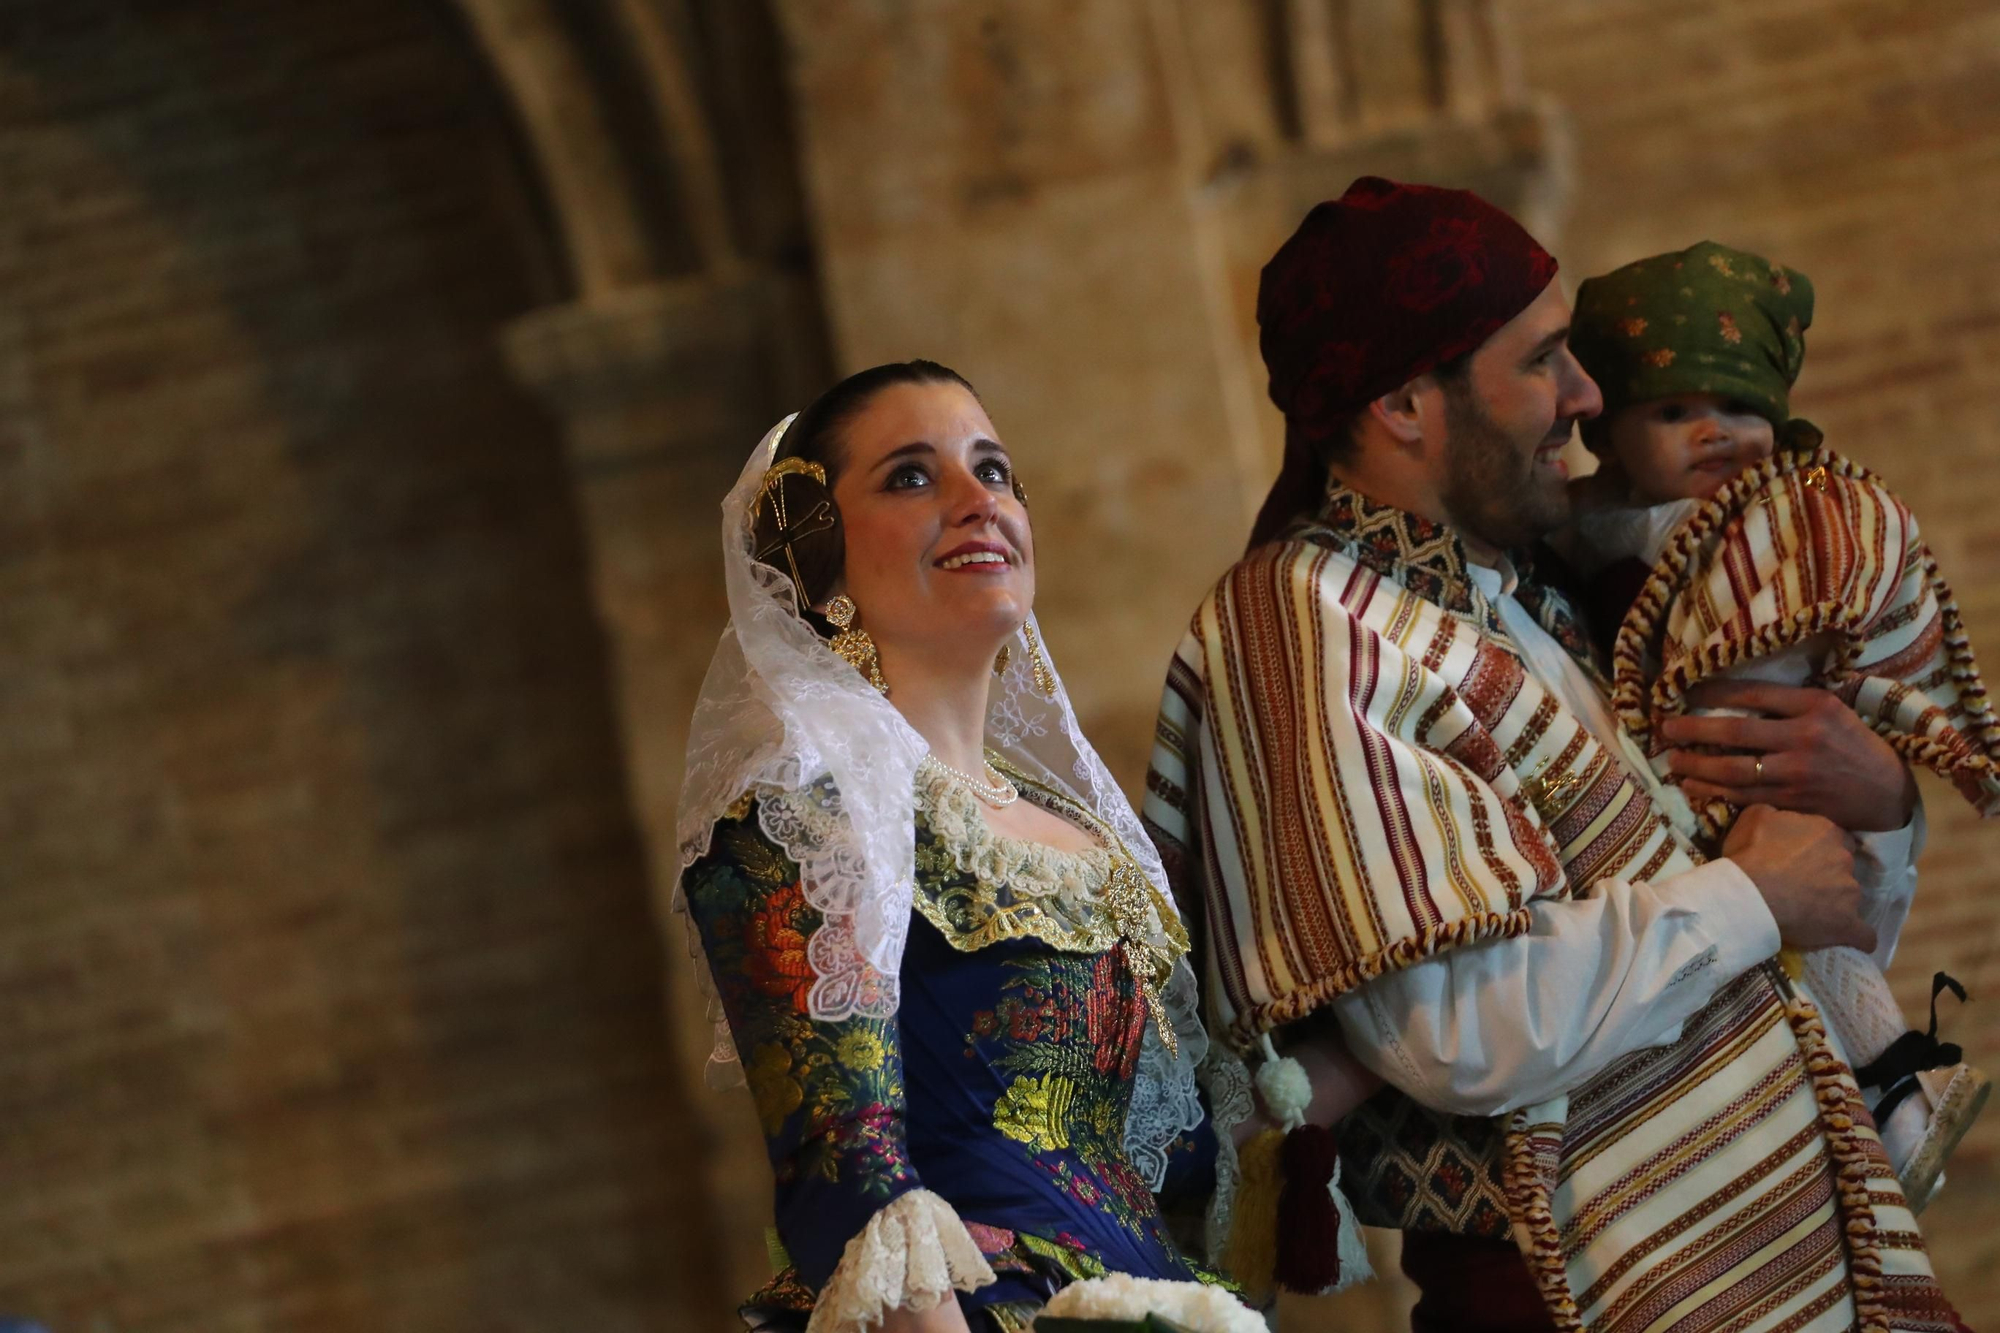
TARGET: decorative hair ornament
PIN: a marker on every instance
(818, 516)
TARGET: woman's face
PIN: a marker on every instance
(939, 558)
(1687, 446)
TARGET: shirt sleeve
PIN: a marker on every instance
(1886, 866)
(1507, 1023)
(829, 1095)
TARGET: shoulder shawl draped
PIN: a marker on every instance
(1354, 772)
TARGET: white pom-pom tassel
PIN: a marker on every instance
(1284, 1087)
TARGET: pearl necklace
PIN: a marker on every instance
(997, 792)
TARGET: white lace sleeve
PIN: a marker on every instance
(910, 1256)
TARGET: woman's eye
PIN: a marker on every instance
(908, 477)
(993, 470)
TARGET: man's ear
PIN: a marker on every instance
(1400, 413)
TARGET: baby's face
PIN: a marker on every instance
(1687, 446)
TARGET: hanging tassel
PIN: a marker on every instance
(1316, 1243)
(1308, 1219)
(1355, 1267)
(1252, 1253)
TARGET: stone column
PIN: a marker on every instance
(661, 392)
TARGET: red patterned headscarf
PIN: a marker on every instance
(1373, 289)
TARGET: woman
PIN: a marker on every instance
(938, 936)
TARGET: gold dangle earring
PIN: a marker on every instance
(1006, 656)
(852, 645)
(1045, 679)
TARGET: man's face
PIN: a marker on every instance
(1507, 420)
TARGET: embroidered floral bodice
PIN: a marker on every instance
(1002, 1083)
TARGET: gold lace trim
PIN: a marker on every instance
(1079, 902)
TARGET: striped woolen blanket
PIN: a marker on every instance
(1810, 551)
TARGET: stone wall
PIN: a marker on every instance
(331, 987)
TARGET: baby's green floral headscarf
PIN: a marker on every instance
(1707, 319)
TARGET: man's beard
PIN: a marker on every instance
(1493, 490)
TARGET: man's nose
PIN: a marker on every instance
(1580, 398)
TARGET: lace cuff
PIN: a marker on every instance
(909, 1256)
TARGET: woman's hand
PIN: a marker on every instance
(945, 1317)
(1808, 752)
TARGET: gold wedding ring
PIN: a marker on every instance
(1757, 767)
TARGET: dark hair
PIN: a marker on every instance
(814, 560)
(1339, 448)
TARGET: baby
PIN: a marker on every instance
(1721, 538)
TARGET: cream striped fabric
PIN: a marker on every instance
(1354, 779)
(1811, 546)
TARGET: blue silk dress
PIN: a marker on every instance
(1001, 1084)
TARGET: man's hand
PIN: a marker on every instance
(1804, 869)
(1818, 757)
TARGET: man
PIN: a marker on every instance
(1385, 769)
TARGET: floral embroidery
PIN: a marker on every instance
(1727, 321)
(1068, 1030)
(1035, 1111)
(1659, 356)
(1781, 280)
(1720, 263)
(1067, 1252)
(776, 957)
(1632, 327)
(860, 1050)
(990, 1240)
(772, 1086)
(1062, 1038)
(828, 1094)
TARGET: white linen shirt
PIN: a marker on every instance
(1489, 1027)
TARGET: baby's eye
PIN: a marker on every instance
(1738, 408)
(1673, 412)
(992, 469)
(907, 477)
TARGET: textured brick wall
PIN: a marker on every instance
(328, 979)
(1859, 141)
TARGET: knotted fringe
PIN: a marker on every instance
(1528, 1178)
(1340, 978)
(1850, 1159)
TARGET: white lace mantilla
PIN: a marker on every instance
(912, 1254)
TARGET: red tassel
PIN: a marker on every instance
(1308, 1222)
